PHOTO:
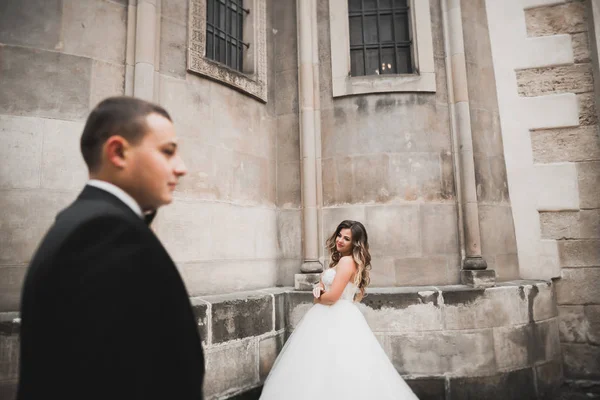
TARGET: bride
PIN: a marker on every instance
(332, 354)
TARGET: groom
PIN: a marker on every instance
(105, 314)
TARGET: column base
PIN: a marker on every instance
(476, 263)
(478, 278)
(306, 281)
(310, 267)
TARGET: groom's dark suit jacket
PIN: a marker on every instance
(104, 313)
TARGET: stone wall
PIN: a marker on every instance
(58, 58)
(387, 162)
(498, 243)
(577, 231)
(448, 342)
(545, 86)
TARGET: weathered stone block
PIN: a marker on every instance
(288, 184)
(107, 80)
(439, 228)
(542, 302)
(231, 368)
(587, 109)
(21, 142)
(402, 312)
(592, 315)
(338, 181)
(173, 47)
(268, 350)
(579, 253)
(497, 229)
(176, 10)
(428, 388)
(590, 224)
(61, 169)
(560, 225)
(394, 230)
(240, 315)
(43, 83)
(447, 166)
(95, 29)
(567, 144)
(478, 278)
(468, 308)
(285, 36)
(482, 91)
(286, 271)
(486, 132)
(306, 281)
(288, 137)
(414, 176)
(581, 47)
(21, 230)
(286, 98)
(575, 78)
(371, 182)
(34, 23)
(553, 20)
(333, 216)
(289, 234)
(588, 174)
(517, 384)
(9, 349)
(478, 49)
(298, 303)
(226, 276)
(202, 315)
(431, 270)
(505, 265)
(525, 345)
(578, 286)
(549, 378)
(573, 325)
(581, 361)
(451, 352)
(383, 272)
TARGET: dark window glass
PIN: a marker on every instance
(380, 40)
(224, 30)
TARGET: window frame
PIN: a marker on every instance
(252, 80)
(421, 80)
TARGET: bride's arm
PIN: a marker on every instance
(344, 271)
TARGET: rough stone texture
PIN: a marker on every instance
(9, 347)
(20, 230)
(498, 242)
(95, 29)
(428, 388)
(549, 377)
(34, 23)
(107, 80)
(517, 384)
(567, 144)
(44, 84)
(285, 46)
(394, 230)
(580, 324)
(574, 78)
(590, 224)
(435, 353)
(579, 253)
(588, 174)
(11, 280)
(288, 185)
(269, 348)
(173, 50)
(581, 47)
(478, 278)
(289, 234)
(581, 361)
(578, 286)
(560, 225)
(553, 20)
(420, 271)
(587, 109)
(231, 368)
(202, 315)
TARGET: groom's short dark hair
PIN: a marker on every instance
(124, 116)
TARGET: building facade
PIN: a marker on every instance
(462, 133)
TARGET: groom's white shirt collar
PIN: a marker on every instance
(120, 193)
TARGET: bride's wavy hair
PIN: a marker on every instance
(360, 253)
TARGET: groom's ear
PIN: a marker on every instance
(115, 151)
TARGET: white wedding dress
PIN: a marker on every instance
(333, 354)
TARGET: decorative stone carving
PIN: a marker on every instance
(255, 84)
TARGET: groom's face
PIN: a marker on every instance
(155, 166)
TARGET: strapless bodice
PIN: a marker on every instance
(349, 291)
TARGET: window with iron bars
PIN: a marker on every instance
(380, 38)
(224, 32)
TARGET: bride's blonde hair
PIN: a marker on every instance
(360, 253)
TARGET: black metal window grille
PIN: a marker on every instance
(224, 32)
(380, 40)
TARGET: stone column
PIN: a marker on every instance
(145, 47)
(474, 268)
(594, 37)
(308, 88)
